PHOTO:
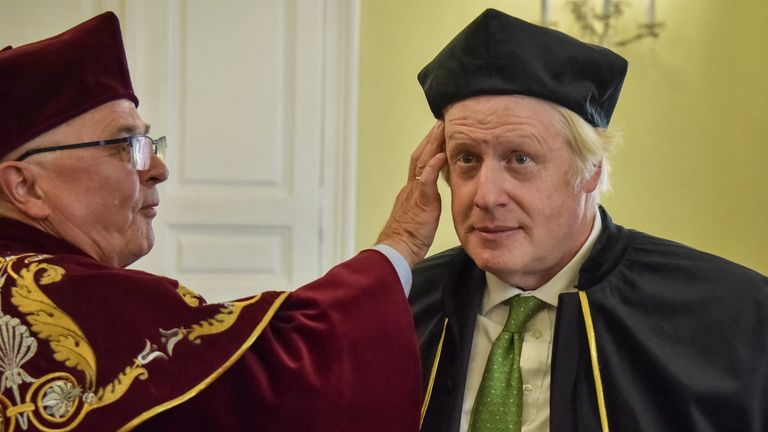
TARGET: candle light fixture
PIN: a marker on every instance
(598, 24)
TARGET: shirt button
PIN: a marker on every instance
(536, 334)
(527, 389)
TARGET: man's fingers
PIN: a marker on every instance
(431, 171)
(413, 170)
(411, 226)
(428, 148)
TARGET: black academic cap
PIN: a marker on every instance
(497, 54)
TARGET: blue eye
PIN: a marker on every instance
(521, 159)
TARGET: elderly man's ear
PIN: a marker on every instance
(20, 189)
(593, 180)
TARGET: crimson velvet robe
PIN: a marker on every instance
(96, 348)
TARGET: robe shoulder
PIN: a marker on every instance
(663, 265)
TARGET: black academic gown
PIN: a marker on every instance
(681, 335)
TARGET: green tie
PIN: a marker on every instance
(499, 402)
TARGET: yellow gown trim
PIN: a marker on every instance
(206, 382)
(595, 363)
(433, 373)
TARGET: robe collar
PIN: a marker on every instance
(18, 236)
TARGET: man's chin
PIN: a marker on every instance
(150, 243)
(502, 263)
(139, 251)
(494, 261)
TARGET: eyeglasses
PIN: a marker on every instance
(142, 149)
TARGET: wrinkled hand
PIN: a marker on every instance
(413, 222)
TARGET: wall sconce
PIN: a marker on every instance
(598, 26)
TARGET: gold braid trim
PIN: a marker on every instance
(595, 363)
(433, 373)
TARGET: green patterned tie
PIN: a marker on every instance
(499, 402)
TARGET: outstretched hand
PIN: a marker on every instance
(413, 222)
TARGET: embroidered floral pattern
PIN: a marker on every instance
(60, 398)
(16, 348)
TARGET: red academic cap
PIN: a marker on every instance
(497, 54)
(47, 83)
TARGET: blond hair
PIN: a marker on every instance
(591, 147)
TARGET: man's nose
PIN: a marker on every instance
(157, 172)
(489, 191)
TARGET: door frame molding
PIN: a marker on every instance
(339, 170)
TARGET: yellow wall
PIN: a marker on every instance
(694, 164)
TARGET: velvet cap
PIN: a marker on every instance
(497, 54)
(46, 83)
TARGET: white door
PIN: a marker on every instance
(256, 98)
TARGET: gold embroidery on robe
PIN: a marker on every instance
(220, 322)
(58, 398)
(190, 297)
(51, 323)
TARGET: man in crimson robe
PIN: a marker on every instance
(634, 332)
(86, 344)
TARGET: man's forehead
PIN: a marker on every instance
(487, 104)
(500, 111)
(110, 120)
(129, 128)
(114, 118)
